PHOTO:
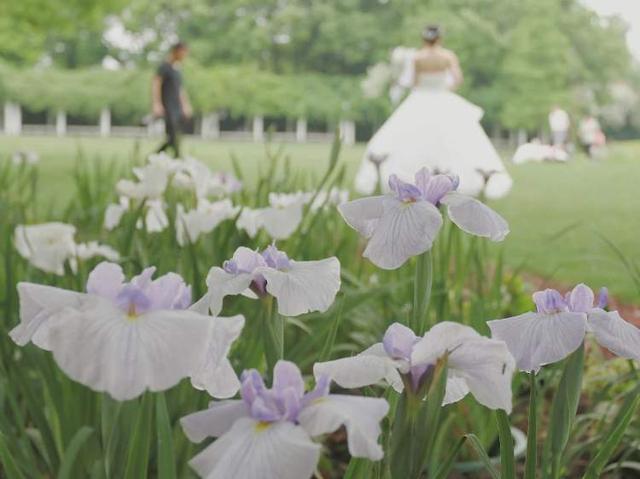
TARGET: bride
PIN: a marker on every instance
(435, 128)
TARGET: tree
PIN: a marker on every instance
(31, 28)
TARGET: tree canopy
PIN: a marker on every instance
(305, 57)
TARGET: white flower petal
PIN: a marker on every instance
(456, 389)
(281, 222)
(202, 220)
(443, 337)
(537, 339)
(202, 305)
(85, 251)
(47, 246)
(259, 451)
(361, 417)
(221, 284)
(216, 375)
(156, 219)
(186, 230)
(250, 220)
(474, 217)
(363, 214)
(614, 333)
(215, 421)
(114, 212)
(487, 367)
(281, 200)
(38, 305)
(403, 231)
(106, 280)
(306, 286)
(369, 367)
(100, 347)
(153, 181)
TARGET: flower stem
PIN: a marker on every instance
(564, 408)
(422, 292)
(532, 432)
(507, 459)
(273, 334)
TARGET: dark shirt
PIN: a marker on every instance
(171, 84)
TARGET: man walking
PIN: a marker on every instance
(169, 97)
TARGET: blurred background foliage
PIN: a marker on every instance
(305, 58)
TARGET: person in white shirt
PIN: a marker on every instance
(559, 123)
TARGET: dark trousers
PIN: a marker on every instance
(172, 128)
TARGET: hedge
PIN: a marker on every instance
(240, 90)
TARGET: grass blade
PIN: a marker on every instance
(532, 432)
(564, 408)
(138, 457)
(475, 444)
(507, 459)
(358, 469)
(445, 467)
(614, 436)
(166, 459)
(325, 354)
(9, 466)
(71, 453)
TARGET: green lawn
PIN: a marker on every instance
(558, 212)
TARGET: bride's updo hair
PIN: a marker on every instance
(432, 34)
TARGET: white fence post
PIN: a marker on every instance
(258, 128)
(105, 122)
(301, 130)
(347, 130)
(61, 123)
(210, 127)
(12, 119)
(155, 127)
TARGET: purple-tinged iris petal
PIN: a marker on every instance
(437, 187)
(245, 260)
(291, 404)
(581, 299)
(549, 301)
(287, 375)
(252, 385)
(285, 400)
(398, 341)
(262, 411)
(323, 383)
(603, 298)
(105, 280)
(184, 299)
(141, 295)
(404, 191)
(259, 286)
(169, 292)
(276, 259)
(423, 177)
(133, 300)
(230, 266)
(144, 279)
(416, 373)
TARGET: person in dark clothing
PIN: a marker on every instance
(170, 100)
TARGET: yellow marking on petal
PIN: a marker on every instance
(132, 314)
(262, 426)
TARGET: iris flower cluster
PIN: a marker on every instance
(125, 337)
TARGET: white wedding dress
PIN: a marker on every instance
(436, 128)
